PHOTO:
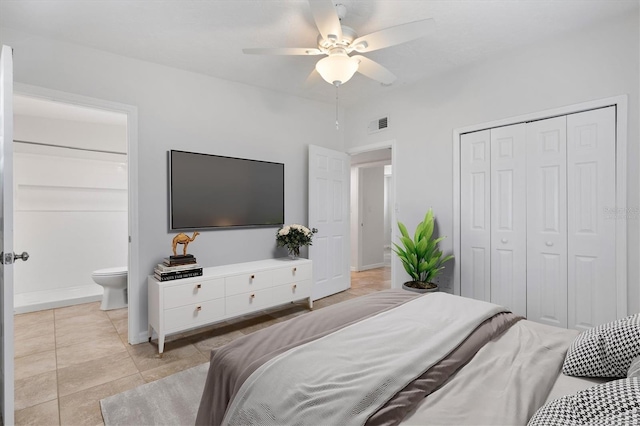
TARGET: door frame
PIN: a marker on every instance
(620, 102)
(133, 284)
(394, 205)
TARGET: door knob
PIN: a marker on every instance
(24, 256)
(9, 258)
(549, 243)
(504, 241)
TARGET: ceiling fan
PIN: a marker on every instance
(337, 41)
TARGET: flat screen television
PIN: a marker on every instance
(211, 191)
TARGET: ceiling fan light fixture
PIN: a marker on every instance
(337, 69)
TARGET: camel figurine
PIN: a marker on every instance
(183, 239)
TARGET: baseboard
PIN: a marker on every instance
(354, 269)
(56, 298)
(372, 266)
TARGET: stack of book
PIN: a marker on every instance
(177, 267)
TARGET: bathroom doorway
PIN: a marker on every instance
(70, 198)
(131, 113)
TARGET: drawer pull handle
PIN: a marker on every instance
(252, 295)
(198, 308)
(295, 269)
(253, 276)
(198, 286)
(295, 286)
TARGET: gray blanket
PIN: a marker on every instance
(505, 382)
(232, 364)
(346, 376)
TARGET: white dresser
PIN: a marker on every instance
(224, 292)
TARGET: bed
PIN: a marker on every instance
(391, 357)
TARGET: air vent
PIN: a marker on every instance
(379, 124)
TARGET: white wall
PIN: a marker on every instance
(70, 209)
(71, 216)
(596, 63)
(188, 111)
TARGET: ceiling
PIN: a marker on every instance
(208, 36)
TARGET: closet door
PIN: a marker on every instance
(475, 215)
(591, 174)
(547, 221)
(509, 218)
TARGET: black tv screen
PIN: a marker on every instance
(210, 191)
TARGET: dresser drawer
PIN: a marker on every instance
(249, 302)
(291, 274)
(248, 282)
(184, 317)
(193, 292)
(292, 291)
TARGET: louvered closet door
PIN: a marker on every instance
(591, 174)
(547, 221)
(475, 214)
(509, 218)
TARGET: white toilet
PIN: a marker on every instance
(114, 282)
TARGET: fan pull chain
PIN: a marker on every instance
(337, 124)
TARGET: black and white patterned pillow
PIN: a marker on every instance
(610, 403)
(606, 350)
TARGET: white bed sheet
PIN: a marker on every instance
(567, 385)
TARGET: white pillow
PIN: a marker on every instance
(606, 350)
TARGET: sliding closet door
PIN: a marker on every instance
(475, 215)
(591, 174)
(547, 221)
(509, 218)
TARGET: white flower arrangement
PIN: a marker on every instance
(293, 237)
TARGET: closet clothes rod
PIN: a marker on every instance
(69, 147)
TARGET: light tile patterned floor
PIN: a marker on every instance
(68, 359)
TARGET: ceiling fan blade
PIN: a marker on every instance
(312, 79)
(283, 51)
(327, 20)
(394, 35)
(374, 70)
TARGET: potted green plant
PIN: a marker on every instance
(420, 256)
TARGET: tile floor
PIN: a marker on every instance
(68, 359)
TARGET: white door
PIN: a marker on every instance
(329, 179)
(547, 221)
(591, 183)
(6, 234)
(509, 218)
(475, 215)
